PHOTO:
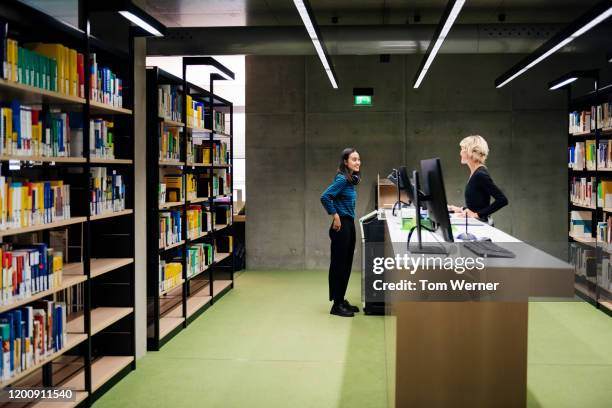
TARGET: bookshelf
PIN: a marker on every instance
(590, 198)
(75, 166)
(186, 272)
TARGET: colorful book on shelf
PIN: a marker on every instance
(170, 102)
(169, 143)
(604, 194)
(30, 334)
(175, 187)
(24, 203)
(581, 121)
(169, 227)
(107, 191)
(170, 275)
(198, 220)
(583, 191)
(219, 122)
(195, 113)
(581, 223)
(191, 185)
(199, 257)
(68, 75)
(28, 270)
(590, 154)
(105, 86)
(101, 141)
(577, 156)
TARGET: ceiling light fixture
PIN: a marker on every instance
(303, 8)
(593, 17)
(448, 18)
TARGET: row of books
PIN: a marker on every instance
(28, 270)
(583, 191)
(169, 227)
(586, 121)
(170, 275)
(170, 102)
(581, 223)
(107, 191)
(195, 113)
(199, 257)
(604, 274)
(583, 259)
(52, 67)
(24, 203)
(198, 221)
(219, 122)
(210, 152)
(26, 131)
(105, 87)
(30, 334)
(582, 155)
(101, 141)
(169, 143)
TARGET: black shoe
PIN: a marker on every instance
(339, 309)
(350, 307)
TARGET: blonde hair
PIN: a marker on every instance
(476, 147)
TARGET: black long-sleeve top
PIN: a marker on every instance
(478, 192)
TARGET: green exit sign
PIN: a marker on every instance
(363, 100)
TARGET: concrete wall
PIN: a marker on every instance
(297, 126)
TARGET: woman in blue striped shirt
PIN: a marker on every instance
(339, 202)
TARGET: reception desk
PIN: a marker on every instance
(465, 353)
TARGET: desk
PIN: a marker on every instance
(463, 354)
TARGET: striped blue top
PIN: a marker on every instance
(340, 197)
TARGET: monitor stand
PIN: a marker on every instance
(417, 248)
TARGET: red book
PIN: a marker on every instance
(81, 74)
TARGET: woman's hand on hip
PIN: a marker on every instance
(336, 224)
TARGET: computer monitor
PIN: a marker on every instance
(433, 187)
(406, 184)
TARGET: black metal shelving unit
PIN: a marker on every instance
(171, 311)
(591, 249)
(100, 255)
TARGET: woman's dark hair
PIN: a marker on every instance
(344, 170)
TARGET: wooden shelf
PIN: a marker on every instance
(163, 292)
(30, 94)
(199, 129)
(41, 227)
(218, 132)
(198, 200)
(199, 272)
(101, 318)
(190, 164)
(582, 289)
(72, 339)
(102, 370)
(103, 108)
(167, 324)
(219, 227)
(583, 239)
(205, 233)
(44, 159)
(588, 207)
(605, 169)
(99, 160)
(171, 163)
(606, 304)
(220, 285)
(100, 266)
(67, 281)
(170, 204)
(171, 123)
(173, 245)
(110, 215)
(219, 256)
(197, 301)
(607, 209)
(577, 134)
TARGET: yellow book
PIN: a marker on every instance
(74, 76)
(13, 52)
(55, 51)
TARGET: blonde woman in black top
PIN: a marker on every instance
(480, 186)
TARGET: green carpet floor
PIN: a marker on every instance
(270, 342)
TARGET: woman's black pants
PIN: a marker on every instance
(342, 248)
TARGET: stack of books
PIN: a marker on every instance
(199, 257)
(169, 103)
(169, 228)
(583, 191)
(170, 275)
(169, 143)
(107, 191)
(105, 86)
(101, 143)
(195, 113)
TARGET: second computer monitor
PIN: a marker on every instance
(433, 187)
(406, 184)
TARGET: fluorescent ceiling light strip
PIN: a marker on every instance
(452, 16)
(141, 23)
(303, 12)
(603, 16)
(563, 83)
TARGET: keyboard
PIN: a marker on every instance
(488, 249)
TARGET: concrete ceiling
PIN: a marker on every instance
(224, 13)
